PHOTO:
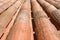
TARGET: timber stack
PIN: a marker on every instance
(29, 20)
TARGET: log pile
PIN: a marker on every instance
(29, 20)
(56, 4)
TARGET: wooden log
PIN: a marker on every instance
(3, 2)
(57, 1)
(56, 4)
(51, 10)
(11, 23)
(6, 5)
(22, 29)
(6, 17)
(44, 29)
(59, 32)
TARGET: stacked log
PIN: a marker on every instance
(22, 28)
(56, 4)
(44, 29)
(51, 10)
(3, 2)
(18, 24)
(6, 5)
(6, 16)
(11, 23)
(57, 1)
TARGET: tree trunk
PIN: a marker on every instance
(55, 13)
(22, 29)
(6, 5)
(11, 24)
(44, 29)
(6, 17)
(2, 2)
(56, 4)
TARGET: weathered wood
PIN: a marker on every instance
(55, 13)
(6, 5)
(3, 2)
(11, 23)
(59, 32)
(44, 29)
(22, 29)
(6, 17)
(57, 1)
(56, 4)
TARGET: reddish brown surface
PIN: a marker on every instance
(51, 10)
(57, 1)
(6, 17)
(6, 5)
(16, 24)
(3, 2)
(44, 29)
(24, 32)
(11, 24)
(56, 4)
(22, 29)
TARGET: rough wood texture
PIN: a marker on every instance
(6, 17)
(3, 2)
(44, 29)
(57, 1)
(11, 23)
(56, 4)
(6, 5)
(59, 32)
(55, 13)
(22, 29)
